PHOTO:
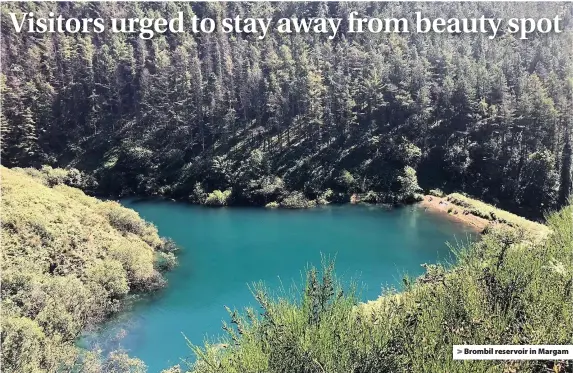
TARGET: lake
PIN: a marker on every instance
(225, 250)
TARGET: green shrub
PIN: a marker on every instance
(55, 176)
(175, 369)
(67, 262)
(58, 176)
(272, 205)
(123, 219)
(325, 198)
(408, 153)
(436, 193)
(347, 181)
(218, 198)
(119, 361)
(138, 263)
(417, 197)
(296, 200)
(168, 246)
(370, 197)
(22, 342)
(408, 184)
(110, 275)
(492, 213)
(165, 261)
(198, 196)
(129, 221)
(264, 189)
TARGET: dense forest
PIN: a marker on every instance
(68, 262)
(289, 119)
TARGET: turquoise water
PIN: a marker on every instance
(226, 250)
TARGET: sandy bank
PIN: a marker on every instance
(442, 206)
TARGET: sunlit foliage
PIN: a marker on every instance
(183, 115)
(68, 260)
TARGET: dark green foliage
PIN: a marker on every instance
(296, 200)
(291, 112)
(566, 188)
(512, 287)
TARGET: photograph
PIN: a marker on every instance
(286, 186)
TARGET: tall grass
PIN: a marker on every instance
(509, 288)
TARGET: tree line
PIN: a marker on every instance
(295, 117)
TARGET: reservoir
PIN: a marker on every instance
(225, 250)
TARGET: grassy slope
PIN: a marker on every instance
(494, 214)
(512, 287)
(67, 261)
(478, 214)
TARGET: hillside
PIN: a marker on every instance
(287, 118)
(68, 260)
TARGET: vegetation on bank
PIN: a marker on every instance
(68, 261)
(477, 214)
(508, 288)
(295, 113)
(493, 214)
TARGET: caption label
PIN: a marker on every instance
(513, 352)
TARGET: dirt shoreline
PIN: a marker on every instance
(442, 206)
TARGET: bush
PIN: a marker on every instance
(272, 205)
(165, 261)
(492, 213)
(119, 361)
(436, 193)
(198, 196)
(139, 264)
(410, 154)
(58, 176)
(22, 342)
(123, 219)
(347, 181)
(264, 189)
(152, 283)
(168, 246)
(325, 198)
(109, 274)
(370, 197)
(218, 198)
(54, 176)
(417, 197)
(408, 184)
(296, 200)
(129, 221)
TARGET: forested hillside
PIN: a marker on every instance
(183, 115)
(68, 261)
